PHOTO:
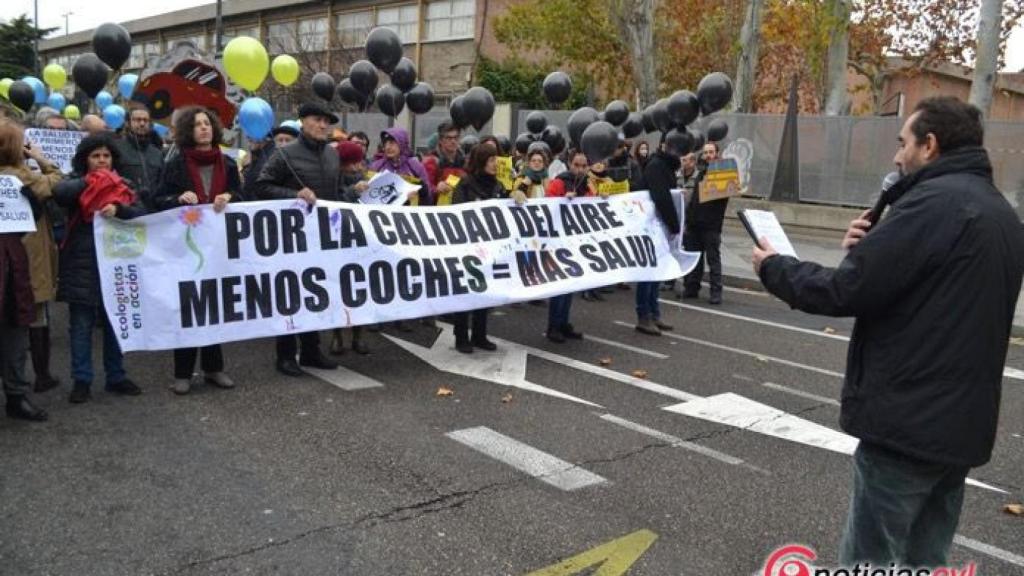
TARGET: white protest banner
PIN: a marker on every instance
(15, 210)
(191, 277)
(57, 145)
(387, 188)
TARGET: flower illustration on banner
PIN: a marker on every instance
(191, 218)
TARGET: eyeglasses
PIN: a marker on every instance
(449, 137)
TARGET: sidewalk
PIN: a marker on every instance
(814, 244)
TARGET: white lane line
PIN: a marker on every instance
(739, 412)
(1008, 372)
(525, 458)
(623, 346)
(763, 357)
(1008, 557)
(348, 380)
(680, 443)
(756, 320)
(800, 393)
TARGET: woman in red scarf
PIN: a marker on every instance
(200, 174)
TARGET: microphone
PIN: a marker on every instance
(883, 197)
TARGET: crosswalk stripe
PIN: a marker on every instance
(348, 380)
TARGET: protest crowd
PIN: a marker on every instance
(133, 170)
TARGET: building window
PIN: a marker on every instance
(353, 28)
(198, 41)
(281, 38)
(313, 35)
(232, 33)
(450, 19)
(402, 19)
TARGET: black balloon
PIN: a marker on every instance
(616, 112)
(404, 75)
(112, 44)
(323, 85)
(458, 113)
(90, 74)
(633, 126)
(21, 94)
(714, 92)
(390, 100)
(468, 142)
(599, 141)
(557, 87)
(504, 144)
(683, 108)
(363, 75)
(648, 119)
(578, 123)
(554, 138)
(478, 104)
(348, 94)
(698, 139)
(662, 121)
(717, 130)
(679, 142)
(420, 99)
(523, 142)
(384, 48)
(536, 121)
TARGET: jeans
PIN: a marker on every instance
(558, 311)
(310, 345)
(81, 323)
(903, 510)
(211, 360)
(462, 321)
(13, 354)
(709, 242)
(647, 300)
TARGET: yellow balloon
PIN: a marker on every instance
(71, 112)
(246, 62)
(5, 87)
(285, 70)
(55, 76)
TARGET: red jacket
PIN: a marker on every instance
(567, 182)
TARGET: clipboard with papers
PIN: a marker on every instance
(764, 224)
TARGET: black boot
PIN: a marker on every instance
(39, 344)
(19, 407)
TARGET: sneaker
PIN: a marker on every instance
(485, 344)
(20, 408)
(647, 326)
(318, 360)
(570, 332)
(123, 388)
(181, 386)
(465, 347)
(556, 336)
(715, 300)
(663, 326)
(289, 367)
(80, 393)
(219, 379)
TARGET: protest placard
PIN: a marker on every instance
(15, 209)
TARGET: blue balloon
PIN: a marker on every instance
(256, 118)
(38, 87)
(126, 85)
(161, 130)
(103, 100)
(113, 115)
(56, 101)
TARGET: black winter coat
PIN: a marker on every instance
(142, 162)
(660, 176)
(302, 163)
(79, 276)
(177, 181)
(472, 188)
(933, 287)
(706, 216)
(623, 168)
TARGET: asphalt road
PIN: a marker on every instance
(540, 455)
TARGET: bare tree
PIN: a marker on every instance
(634, 20)
(987, 60)
(750, 43)
(838, 12)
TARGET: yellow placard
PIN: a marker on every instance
(721, 181)
(506, 175)
(452, 180)
(613, 187)
(444, 198)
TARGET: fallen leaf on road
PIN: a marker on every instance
(639, 373)
(829, 330)
(445, 391)
(506, 398)
(605, 361)
(1015, 509)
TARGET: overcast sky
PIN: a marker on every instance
(90, 15)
